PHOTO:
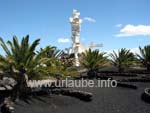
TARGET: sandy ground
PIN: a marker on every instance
(105, 100)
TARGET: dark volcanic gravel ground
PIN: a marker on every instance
(105, 100)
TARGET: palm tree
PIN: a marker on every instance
(122, 59)
(51, 51)
(61, 64)
(21, 62)
(93, 60)
(144, 56)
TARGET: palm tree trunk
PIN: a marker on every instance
(148, 68)
(1, 76)
(120, 69)
(91, 73)
(21, 88)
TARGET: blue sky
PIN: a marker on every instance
(115, 23)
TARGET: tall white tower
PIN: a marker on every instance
(75, 22)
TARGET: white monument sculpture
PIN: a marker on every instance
(75, 27)
(76, 48)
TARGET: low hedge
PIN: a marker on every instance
(118, 74)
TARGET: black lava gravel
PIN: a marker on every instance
(105, 100)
